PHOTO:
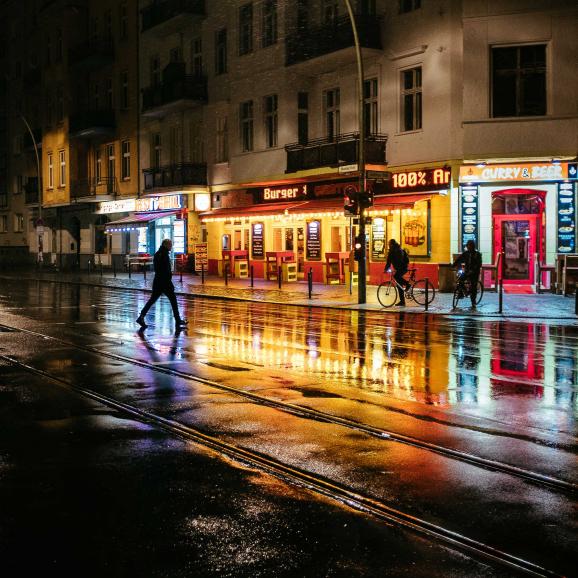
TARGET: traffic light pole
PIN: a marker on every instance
(362, 263)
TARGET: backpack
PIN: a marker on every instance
(404, 258)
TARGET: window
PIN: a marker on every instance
(519, 81)
(367, 7)
(109, 94)
(111, 173)
(411, 98)
(125, 169)
(302, 117)
(123, 21)
(156, 150)
(3, 200)
(221, 51)
(108, 27)
(222, 140)
(370, 106)
(332, 117)
(59, 104)
(124, 90)
(62, 168)
(98, 165)
(246, 29)
(18, 223)
(196, 57)
(3, 223)
(409, 5)
(302, 15)
(330, 11)
(247, 126)
(50, 171)
(176, 54)
(197, 144)
(19, 189)
(175, 145)
(269, 22)
(270, 112)
(155, 70)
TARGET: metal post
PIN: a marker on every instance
(279, 275)
(426, 293)
(128, 269)
(251, 275)
(226, 273)
(500, 296)
(101, 268)
(113, 267)
(202, 273)
(144, 271)
(310, 281)
(89, 268)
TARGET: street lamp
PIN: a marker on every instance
(362, 263)
(39, 222)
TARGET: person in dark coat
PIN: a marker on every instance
(471, 259)
(398, 258)
(162, 283)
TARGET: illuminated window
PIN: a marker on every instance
(519, 81)
(125, 169)
(270, 111)
(246, 29)
(221, 51)
(50, 171)
(332, 115)
(110, 162)
(409, 5)
(411, 99)
(62, 168)
(370, 106)
(269, 22)
(246, 109)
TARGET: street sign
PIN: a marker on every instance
(378, 175)
(348, 168)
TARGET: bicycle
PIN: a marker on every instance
(463, 289)
(388, 291)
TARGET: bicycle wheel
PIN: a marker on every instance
(458, 294)
(418, 292)
(480, 293)
(387, 294)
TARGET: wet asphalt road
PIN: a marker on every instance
(92, 491)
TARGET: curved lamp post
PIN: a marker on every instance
(39, 222)
(362, 263)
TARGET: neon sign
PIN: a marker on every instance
(284, 193)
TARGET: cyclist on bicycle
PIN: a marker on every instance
(399, 258)
(472, 261)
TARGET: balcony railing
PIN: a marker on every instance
(317, 41)
(161, 12)
(343, 149)
(175, 176)
(183, 87)
(92, 54)
(91, 123)
(31, 191)
(94, 188)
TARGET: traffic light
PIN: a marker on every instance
(366, 197)
(358, 248)
(350, 204)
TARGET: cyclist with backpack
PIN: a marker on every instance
(399, 258)
(471, 259)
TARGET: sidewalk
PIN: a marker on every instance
(543, 306)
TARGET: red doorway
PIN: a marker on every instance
(518, 232)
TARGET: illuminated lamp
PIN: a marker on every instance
(202, 202)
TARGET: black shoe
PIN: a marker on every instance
(140, 320)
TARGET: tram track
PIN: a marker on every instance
(535, 478)
(299, 477)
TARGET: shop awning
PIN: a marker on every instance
(137, 220)
(321, 206)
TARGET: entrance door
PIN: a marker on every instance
(517, 236)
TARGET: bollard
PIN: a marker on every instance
(226, 272)
(500, 296)
(251, 275)
(310, 281)
(426, 293)
(129, 270)
(202, 273)
(89, 268)
(279, 276)
(144, 271)
(114, 268)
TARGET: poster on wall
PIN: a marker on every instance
(415, 230)
(257, 241)
(378, 234)
(201, 256)
(566, 218)
(469, 198)
(313, 250)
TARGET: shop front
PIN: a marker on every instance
(525, 212)
(304, 224)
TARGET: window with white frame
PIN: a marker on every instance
(50, 171)
(411, 99)
(269, 12)
(3, 223)
(111, 162)
(370, 100)
(331, 100)
(62, 168)
(18, 223)
(246, 28)
(125, 168)
(270, 114)
(222, 140)
(197, 57)
(124, 89)
(246, 110)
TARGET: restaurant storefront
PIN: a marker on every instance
(304, 223)
(525, 211)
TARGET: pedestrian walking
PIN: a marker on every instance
(162, 283)
(399, 258)
(471, 259)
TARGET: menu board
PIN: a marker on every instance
(178, 236)
(257, 240)
(313, 250)
(201, 256)
(566, 218)
(378, 245)
(469, 199)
